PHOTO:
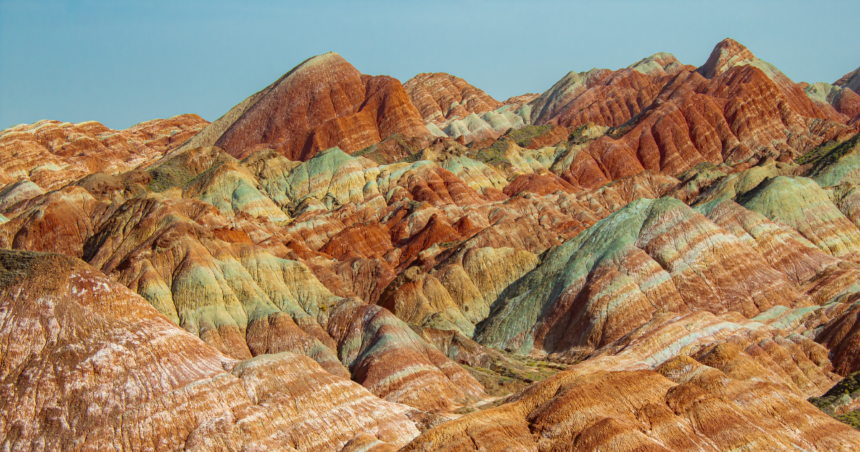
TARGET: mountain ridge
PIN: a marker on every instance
(659, 257)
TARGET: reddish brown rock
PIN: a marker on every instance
(847, 102)
(322, 103)
(440, 96)
(52, 154)
(540, 184)
(518, 101)
(643, 410)
(608, 98)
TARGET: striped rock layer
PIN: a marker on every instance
(662, 257)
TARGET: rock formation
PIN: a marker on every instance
(89, 364)
(439, 96)
(321, 103)
(52, 154)
(850, 80)
(660, 257)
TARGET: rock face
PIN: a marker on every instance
(644, 410)
(622, 271)
(843, 99)
(321, 103)
(662, 257)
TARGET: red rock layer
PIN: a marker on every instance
(734, 108)
(702, 409)
(610, 98)
(847, 102)
(321, 103)
(439, 96)
(518, 101)
(540, 184)
(53, 154)
(737, 116)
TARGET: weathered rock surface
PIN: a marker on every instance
(619, 273)
(687, 405)
(668, 117)
(850, 80)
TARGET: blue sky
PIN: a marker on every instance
(121, 62)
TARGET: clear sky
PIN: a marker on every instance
(121, 62)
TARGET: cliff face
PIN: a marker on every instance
(661, 257)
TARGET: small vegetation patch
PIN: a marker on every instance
(852, 419)
(505, 377)
(846, 390)
(168, 176)
(390, 150)
(576, 137)
(827, 153)
(523, 135)
(412, 158)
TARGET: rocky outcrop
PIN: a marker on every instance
(850, 80)
(206, 274)
(624, 270)
(667, 117)
(643, 409)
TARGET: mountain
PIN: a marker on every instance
(850, 80)
(322, 103)
(439, 96)
(659, 257)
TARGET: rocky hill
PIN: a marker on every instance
(659, 257)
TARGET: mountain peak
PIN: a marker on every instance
(727, 54)
(321, 103)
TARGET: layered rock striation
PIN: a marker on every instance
(662, 257)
